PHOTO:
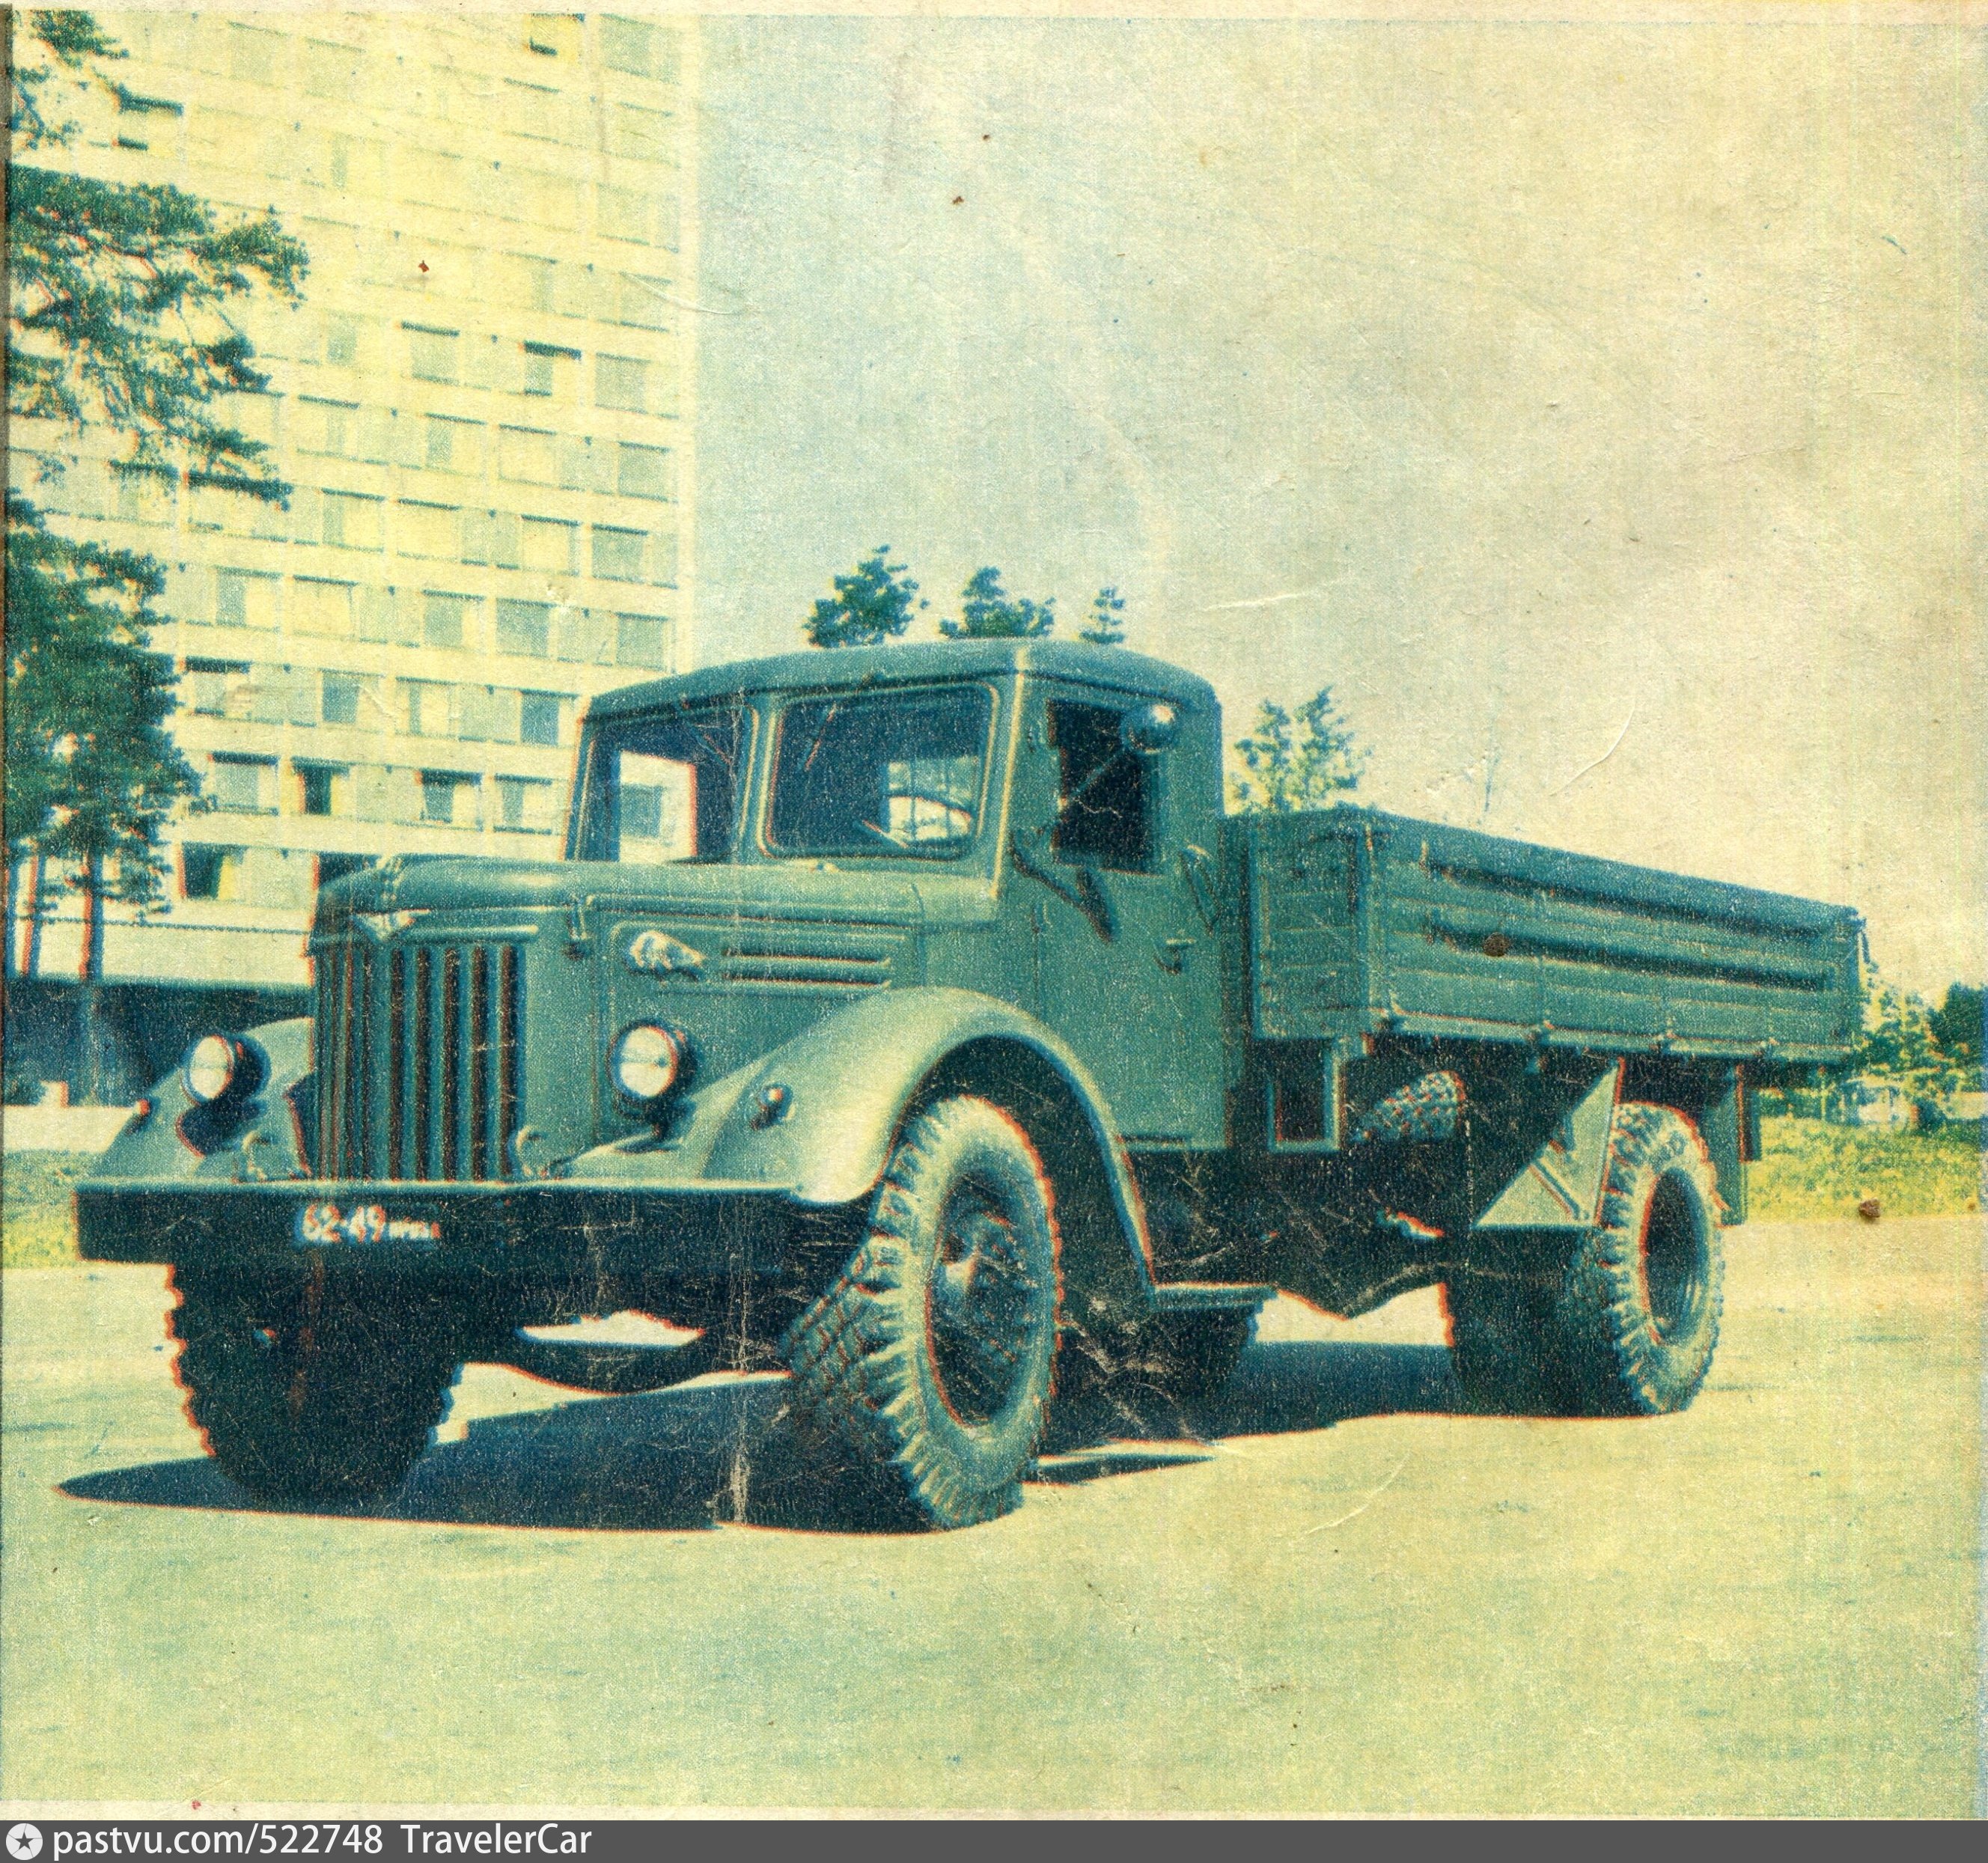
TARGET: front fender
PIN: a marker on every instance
(165, 1145)
(849, 1080)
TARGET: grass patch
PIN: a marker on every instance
(1808, 1169)
(40, 1211)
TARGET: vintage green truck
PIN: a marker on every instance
(914, 1017)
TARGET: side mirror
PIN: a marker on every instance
(1149, 729)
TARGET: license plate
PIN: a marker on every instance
(319, 1224)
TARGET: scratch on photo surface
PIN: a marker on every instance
(1373, 1496)
(1267, 601)
(1586, 768)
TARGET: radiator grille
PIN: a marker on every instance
(418, 1056)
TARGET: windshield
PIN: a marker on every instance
(898, 773)
(665, 788)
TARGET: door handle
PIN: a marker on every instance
(1172, 953)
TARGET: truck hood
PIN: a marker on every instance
(445, 884)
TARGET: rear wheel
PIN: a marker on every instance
(931, 1354)
(1626, 1319)
(305, 1390)
(1639, 1304)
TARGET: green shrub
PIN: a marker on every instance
(40, 1227)
(1808, 1169)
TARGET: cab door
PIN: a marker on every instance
(1128, 966)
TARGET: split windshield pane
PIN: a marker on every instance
(665, 788)
(898, 773)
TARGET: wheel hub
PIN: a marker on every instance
(980, 1312)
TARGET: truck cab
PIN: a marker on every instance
(984, 816)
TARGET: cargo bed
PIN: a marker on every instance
(1362, 923)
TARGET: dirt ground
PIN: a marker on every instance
(1344, 1596)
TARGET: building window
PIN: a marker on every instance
(242, 784)
(421, 530)
(442, 618)
(330, 427)
(341, 340)
(210, 681)
(130, 103)
(549, 545)
(644, 134)
(322, 607)
(440, 790)
(538, 718)
(144, 493)
(620, 381)
(329, 70)
(538, 282)
(642, 302)
(440, 456)
(318, 785)
(208, 872)
(628, 44)
(625, 213)
(431, 353)
(550, 370)
(339, 699)
(523, 628)
(332, 866)
(428, 707)
(524, 804)
(642, 472)
(251, 53)
(352, 522)
(553, 35)
(239, 599)
(642, 640)
(618, 554)
(527, 455)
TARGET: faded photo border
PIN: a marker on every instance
(1593, 397)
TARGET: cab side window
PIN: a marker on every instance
(1104, 801)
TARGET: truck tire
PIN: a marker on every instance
(1639, 1303)
(302, 1393)
(931, 1353)
(1629, 1324)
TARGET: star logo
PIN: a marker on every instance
(380, 926)
(662, 956)
(24, 1843)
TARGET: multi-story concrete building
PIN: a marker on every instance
(484, 404)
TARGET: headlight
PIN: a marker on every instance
(213, 1064)
(647, 1061)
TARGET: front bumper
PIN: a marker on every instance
(512, 1229)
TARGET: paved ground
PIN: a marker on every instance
(1348, 1598)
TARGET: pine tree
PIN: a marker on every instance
(1105, 629)
(118, 326)
(988, 613)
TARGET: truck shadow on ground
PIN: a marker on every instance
(726, 1450)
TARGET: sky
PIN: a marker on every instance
(1596, 408)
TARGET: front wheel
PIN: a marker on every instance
(931, 1353)
(304, 1391)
